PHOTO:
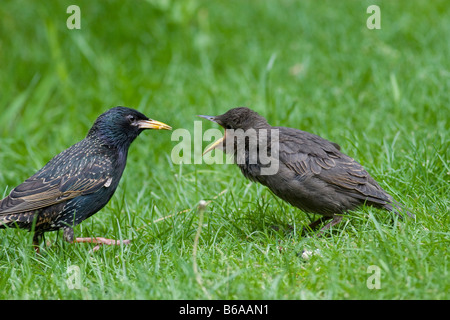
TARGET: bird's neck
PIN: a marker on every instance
(112, 142)
(118, 151)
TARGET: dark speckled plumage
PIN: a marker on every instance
(313, 174)
(79, 181)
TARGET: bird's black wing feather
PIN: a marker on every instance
(66, 176)
(306, 153)
(311, 155)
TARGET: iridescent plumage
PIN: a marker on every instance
(79, 181)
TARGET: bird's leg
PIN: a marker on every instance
(36, 239)
(69, 237)
(335, 221)
(68, 234)
(314, 224)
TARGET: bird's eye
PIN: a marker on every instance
(131, 118)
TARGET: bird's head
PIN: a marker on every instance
(234, 119)
(119, 126)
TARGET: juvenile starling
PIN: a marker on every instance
(79, 181)
(311, 173)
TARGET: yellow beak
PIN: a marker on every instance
(214, 145)
(153, 124)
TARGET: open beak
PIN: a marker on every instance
(153, 124)
(218, 142)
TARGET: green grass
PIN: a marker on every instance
(383, 95)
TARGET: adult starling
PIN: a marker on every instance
(79, 181)
(311, 173)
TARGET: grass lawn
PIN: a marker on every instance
(382, 94)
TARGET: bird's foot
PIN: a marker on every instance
(315, 224)
(36, 239)
(36, 247)
(335, 221)
(101, 241)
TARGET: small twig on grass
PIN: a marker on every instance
(182, 211)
